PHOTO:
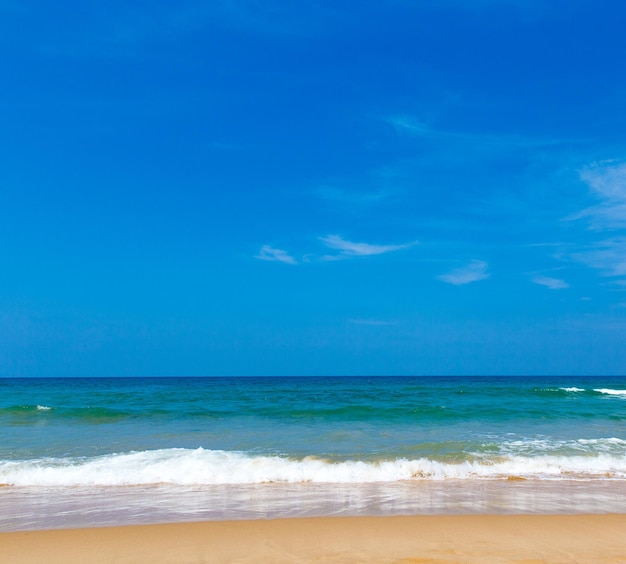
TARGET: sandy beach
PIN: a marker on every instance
(435, 539)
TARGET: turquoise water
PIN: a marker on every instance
(203, 447)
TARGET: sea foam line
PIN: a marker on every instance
(206, 467)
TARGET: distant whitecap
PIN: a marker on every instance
(610, 392)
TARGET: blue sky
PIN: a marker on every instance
(315, 187)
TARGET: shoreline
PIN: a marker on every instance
(441, 539)
(27, 508)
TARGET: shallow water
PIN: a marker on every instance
(43, 508)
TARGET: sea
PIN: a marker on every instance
(82, 452)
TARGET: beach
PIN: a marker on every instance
(312, 281)
(413, 539)
(392, 469)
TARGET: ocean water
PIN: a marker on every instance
(84, 452)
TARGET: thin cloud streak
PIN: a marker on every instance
(351, 249)
(346, 249)
(271, 254)
(415, 128)
(551, 283)
(473, 272)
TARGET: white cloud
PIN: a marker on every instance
(549, 282)
(473, 272)
(346, 249)
(351, 249)
(607, 181)
(608, 256)
(275, 255)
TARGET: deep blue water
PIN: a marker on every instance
(444, 419)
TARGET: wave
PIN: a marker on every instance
(606, 391)
(206, 467)
(610, 392)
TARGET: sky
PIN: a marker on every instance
(321, 187)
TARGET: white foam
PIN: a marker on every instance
(43, 408)
(543, 446)
(611, 441)
(204, 467)
(610, 392)
(572, 389)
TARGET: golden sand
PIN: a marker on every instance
(523, 539)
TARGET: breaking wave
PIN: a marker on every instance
(206, 467)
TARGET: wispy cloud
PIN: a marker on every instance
(345, 248)
(473, 272)
(549, 282)
(409, 125)
(275, 255)
(414, 127)
(350, 249)
(607, 181)
(608, 256)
